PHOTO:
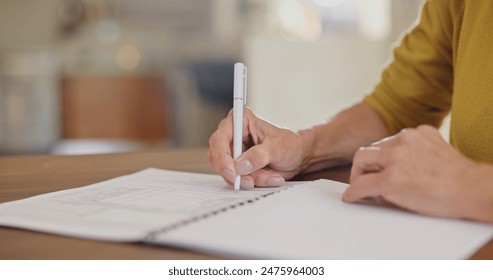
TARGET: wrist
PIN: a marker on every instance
(479, 192)
(319, 151)
(307, 142)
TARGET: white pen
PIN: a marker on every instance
(239, 102)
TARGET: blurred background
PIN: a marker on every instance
(97, 76)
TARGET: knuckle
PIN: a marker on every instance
(247, 111)
(224, 122)
(428, 129)
(249, 116)
(215, 138)
(260, 179)
(357, 156)
(355, 179)
(260, 156)
(408, 135)
(425, 127)
(209, 158)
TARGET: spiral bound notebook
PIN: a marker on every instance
(129, 208)
(198, 212)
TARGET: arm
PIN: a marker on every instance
(402, 99)
(416, 87)
(274, 154)
(334, 143)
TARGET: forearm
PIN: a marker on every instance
(335, 142)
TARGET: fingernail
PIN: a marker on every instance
(244, 167)
(229, 175)
(376, 143)
(275, 181)
(370, 148)
(247, 183)
(346, 197)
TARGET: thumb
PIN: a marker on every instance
(253, 159)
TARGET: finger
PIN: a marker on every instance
(219, 155)
(391, 140)
(249, 124)
(227, 176)
(255, 158)
(220, 141)
(246, 183)
(365, 185)
(209, 158)
(366, 160)
(267, 178)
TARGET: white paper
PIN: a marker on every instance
(126, 208)
(302, 222)
(311, 222)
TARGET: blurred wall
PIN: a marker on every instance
(296, 84)
(29, 76)
(104, 42)
(27, 23)
(292, 82)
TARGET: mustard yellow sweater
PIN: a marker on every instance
(444, 64)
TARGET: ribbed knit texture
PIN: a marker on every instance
(445, 63)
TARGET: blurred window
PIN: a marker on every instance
(311, 19)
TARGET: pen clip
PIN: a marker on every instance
(244, 85)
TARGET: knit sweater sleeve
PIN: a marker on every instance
(416, 87)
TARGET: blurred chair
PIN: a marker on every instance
(215, 82)
(113, 114)
(201, 94)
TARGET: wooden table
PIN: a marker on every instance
(25, 176)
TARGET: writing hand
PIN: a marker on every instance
(271, 154)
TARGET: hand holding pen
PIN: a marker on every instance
(271, 154)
